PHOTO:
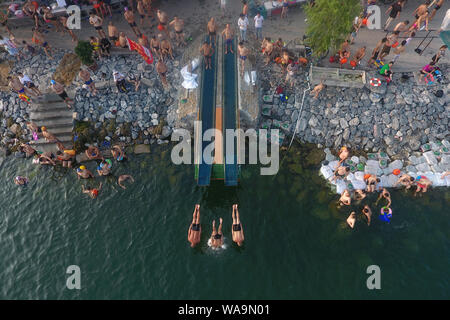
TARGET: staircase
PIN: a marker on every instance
(52, 112)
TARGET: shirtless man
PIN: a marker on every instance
(399, 50)
(59, 90)
(402, 26)
(143, 12)
(4, 23)
(27, 149)
(424, 18)
(284, 60)
(50, 18)
(85, 76)
(178, 25)
(237, 231)
(372, 183)
(385, 194)
(368, 213)
(148, 7)
(439, 4)
(243, 52)
(166, 48)
(122, 178)
(376, 51)
(93, 192)
(317, 89)
(30, 10)
(97, 22)
(15, 84)
(84, 173)
(405, 180)
(268, 48)
(155, 46)
(113, 33)
(39, 38)
(63, 20)
(47, 158)
(129, 16)
(345, 198)
(343, 153)
(47, 135)
(211, 27)
(163, 20)
(195, 229)
(227, 33)
(216, 236)
(359, 55)
(143, 41)
(290, 75)
(161, 68)
(93, 153)
(123, 43)
(245, 8)
(351, 219)
(420, 10)
(207, 51)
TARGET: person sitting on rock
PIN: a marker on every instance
(343, 153)
(93, 153)
(422, 184)
(47, 135)
(317, 89)
(372, 181)
(47, 158)
(27, 149)
(405, 180)
(65, 158)
(345, 198)
(118, 153)
(341, 171)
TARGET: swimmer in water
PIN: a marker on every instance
(118, 153)
(20, 181)
(372, 183)
(368, 213)
(351, 219)
(93, 192)
(216, 236)
(359, 195)
(385, 194)
(422, 184)
(84, 173)
(237, 231)
(341, 171)
(104, 168)
(195, 229)
(122, 178)
(93, 153)
(405, 180)
(345, 199)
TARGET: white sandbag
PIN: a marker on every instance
(358, 184)
(445, 159)
(355, 159)
(439, 182)
(372, 163)
(253, 73)
(432, 177)
(396, 164)
(350, 176)
(371, 169)
(447, 179)
(340, 186)
(359, 175)
(247, 78)
(195, 63)
(430, 157)
(333, 164)
(326, 172)
(384, 182)
(391, 180)
(423, 167)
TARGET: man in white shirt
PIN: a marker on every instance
(243, 24)
(258, 25)
(27, 83)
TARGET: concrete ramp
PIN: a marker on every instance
(52, 112)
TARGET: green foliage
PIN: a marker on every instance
(329, 23)
(84, 52)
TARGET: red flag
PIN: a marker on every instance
(143, 51)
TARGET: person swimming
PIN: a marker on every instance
(93, 153)
(216, 236)
(237, 231)
(84, 173)
(104, 168)
(346, 198)
(195, 228)
(118, 153)
(368, 213)
(372, 181)
(422, 184)
(385, 194)
(122, 178)
(93, 192)
(351, 219)
(405, 180)
(21, 181)
(359, 195)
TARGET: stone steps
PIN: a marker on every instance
(51, 111)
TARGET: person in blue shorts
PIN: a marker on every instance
(227, 33)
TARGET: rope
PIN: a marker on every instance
(301, 110)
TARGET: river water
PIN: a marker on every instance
(132, 244)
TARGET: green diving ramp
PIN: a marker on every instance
(207, 107)
(230, 112)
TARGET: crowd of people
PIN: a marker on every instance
(421, 183)
(67, 158)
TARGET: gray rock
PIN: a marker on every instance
(343, 123)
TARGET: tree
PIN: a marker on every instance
(329, 23)
(84, 52)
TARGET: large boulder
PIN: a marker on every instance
(67, 69)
